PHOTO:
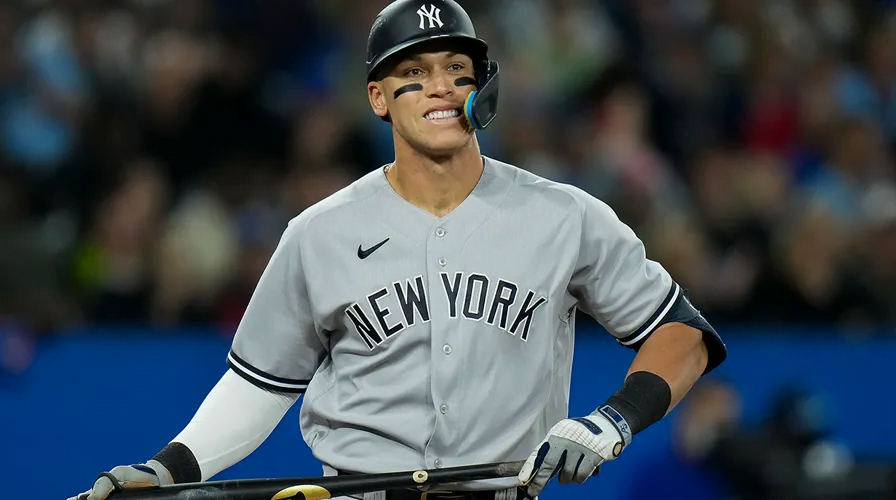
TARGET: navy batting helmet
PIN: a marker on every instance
(405, 24)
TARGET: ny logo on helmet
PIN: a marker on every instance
(432, 15)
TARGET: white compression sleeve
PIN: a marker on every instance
(232, 421)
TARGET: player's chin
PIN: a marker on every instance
(447, 146)
(447, 138)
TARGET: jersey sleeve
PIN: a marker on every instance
(614, 281)
(276, 345)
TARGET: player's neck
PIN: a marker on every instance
(436, 185)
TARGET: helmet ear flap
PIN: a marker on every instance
(481, 105)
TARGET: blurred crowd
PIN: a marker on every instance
(789, 454)
(151, 151)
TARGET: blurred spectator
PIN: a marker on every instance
(113, 263)
(174, 66)
(805, 280)
(708, 415)
(198, 247)
(818, 115)
(621, 166)
(716, 455)
(867, 88)
(33, 289)
(853, 163)
(41, 114)
(792, 455)
(770, 121)
(873, 259)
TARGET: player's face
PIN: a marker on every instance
(424, 96)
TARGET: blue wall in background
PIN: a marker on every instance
(95, 401)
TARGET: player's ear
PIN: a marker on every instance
(377, 98)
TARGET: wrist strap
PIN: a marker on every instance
(642, 401)
(618, 421)
(180, 463)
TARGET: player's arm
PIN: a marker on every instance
(638, 303)
(274, 354)
(677, 354)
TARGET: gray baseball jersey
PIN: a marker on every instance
(426, 342)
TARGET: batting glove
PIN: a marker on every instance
(575, 448)
(147, 475)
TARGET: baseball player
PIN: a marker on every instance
(427, 311)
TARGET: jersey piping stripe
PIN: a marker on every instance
(270, 381)
(654, 320)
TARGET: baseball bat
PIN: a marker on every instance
(319, 488)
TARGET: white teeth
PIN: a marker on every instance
(443, 114)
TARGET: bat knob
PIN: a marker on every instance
(421, 476)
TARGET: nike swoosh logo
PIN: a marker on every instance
(363, 254)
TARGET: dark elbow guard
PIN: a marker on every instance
(683, 312)
(716, 349)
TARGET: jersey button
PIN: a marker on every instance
(446, 349)
(438, 463)
(443, 409)
(442, 261)
(440, 232)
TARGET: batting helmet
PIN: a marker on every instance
(405, 24)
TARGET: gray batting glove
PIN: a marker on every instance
(147, 475)
(575, 448)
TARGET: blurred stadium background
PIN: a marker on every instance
(151, 152)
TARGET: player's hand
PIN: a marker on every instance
(575, 448)
(145, 475)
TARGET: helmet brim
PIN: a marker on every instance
(472, 46)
